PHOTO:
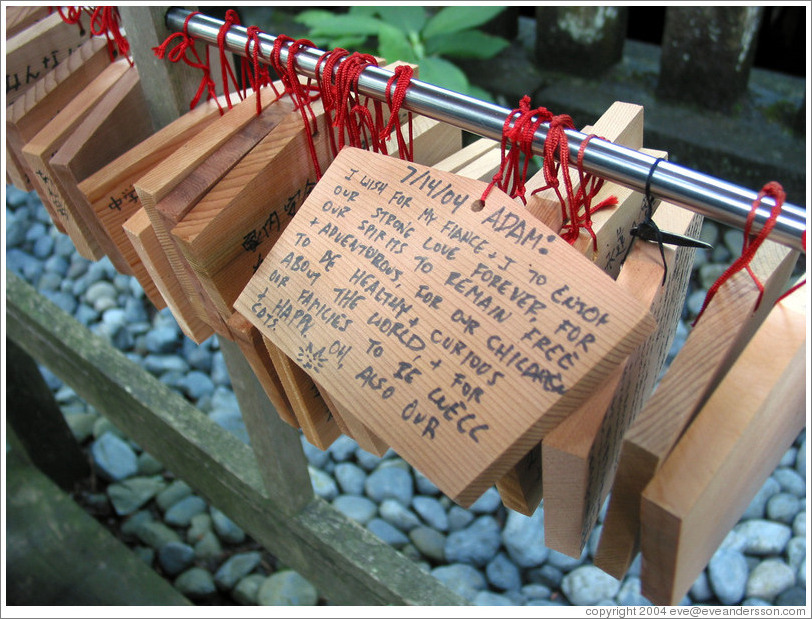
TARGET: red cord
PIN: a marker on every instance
(750, 244)
(257, 75)
(401, 78)
(231, 19)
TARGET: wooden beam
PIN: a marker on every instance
(726, 454)
(712, 346)
(335, 553)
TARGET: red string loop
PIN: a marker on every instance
(401, 77)
(181, 52)
(105, 20)
(231, 19)
(256, 73)
(519, 128)
(750, 244)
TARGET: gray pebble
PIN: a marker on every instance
(390, 483)
(523, 538)
(630, 595)
(790, 481)
(503, 574)
(727, 572)
(225, 528)
(763, 537)
(101, 295)
(789, 457)
(359, 508)
(350, 478)
(81, 425)
(148, 465)
(710, 272)
(195, 583)
(430, 542)
(783, 507)
(398, 516)
(769, 579)
(799, 524)
(487, 503)
(43, 247)
(182, 512)
(424, 485)
(459, 518)
(545, 603)
(197, 385)
(758, 505)
(132, 524)
(129, 495)
(796, 552)
(246, 591)
(158, 364)
(173, 493)
(208, 546)
(146, 554)
(104, 426)
(315, 456)
(476, 544)
(366, 460)
(701, 591)
(231, 421)
(200, 525)
(58, 266)
(487, 598)
(234, 568)
(564, 562)
(156, 534)
(342, 449)
(323, 485)
(587, 585)
(114, 458)
(387, 533)
(219, 370)
(175, 557)
(287, 588)
(161, 340)
(695, 301)
(463, 579)
(431, 511)
(795, 596)
(536, 591)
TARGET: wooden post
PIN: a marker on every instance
(705, 47)
(581, 40)
(38, 422)
(280, 457)
(168, 86)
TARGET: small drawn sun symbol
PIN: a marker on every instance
(309, 358)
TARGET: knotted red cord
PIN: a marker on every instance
(71, 15)
(301, 96)
(400, 79)
(180, 52)
(517, 141)
(256, 73)
(325, 67)
(231, 19)
(105, 20)
(348, 117)
(750, 244)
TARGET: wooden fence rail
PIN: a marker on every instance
(347, 563)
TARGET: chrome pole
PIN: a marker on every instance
(714, 198)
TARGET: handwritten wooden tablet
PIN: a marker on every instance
(117, 123)
(437, 324)
(43, 146)
(144, 240)
(33, 52)
(40, 103)
(521, 490)
(714, 343)
(579, 456)
(18, 18)
(111, 192)
(726, 454)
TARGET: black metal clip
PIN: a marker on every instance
(647, 230)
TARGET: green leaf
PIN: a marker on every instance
(350, 43)
(393, 45)
(313, 18)
(480, 93)
(455, 18)
(442, 73)
(405, 18)
(347, 25)
(369, 11)
(466, 44)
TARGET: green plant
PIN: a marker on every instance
(410, 34)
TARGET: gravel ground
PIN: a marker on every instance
(486, 553)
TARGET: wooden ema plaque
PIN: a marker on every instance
(726, 454)
(714, 343)
(459, 336)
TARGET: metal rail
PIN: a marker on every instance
(714, 198)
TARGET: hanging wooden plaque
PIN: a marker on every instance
(726, 454)
(459, 335)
